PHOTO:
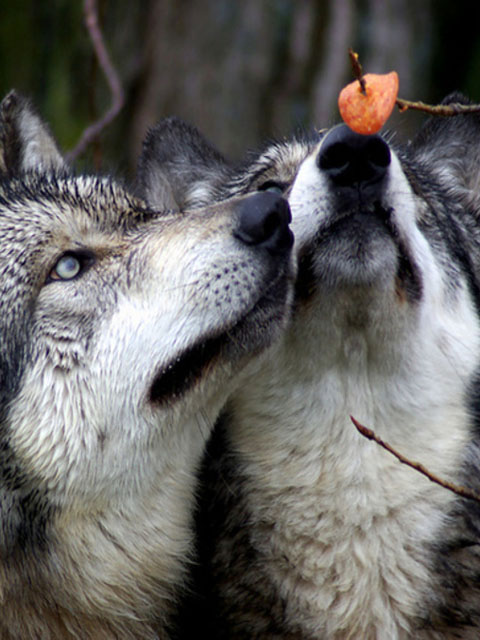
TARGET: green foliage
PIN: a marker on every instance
(45, 53)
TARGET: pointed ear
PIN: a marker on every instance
(451, 146)
(178, 168)
(26, 143)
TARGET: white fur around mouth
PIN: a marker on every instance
(314, 263)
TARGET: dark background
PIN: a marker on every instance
(240, 70)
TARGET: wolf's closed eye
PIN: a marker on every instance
(274, 186)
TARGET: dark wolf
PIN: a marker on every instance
(306, 529)
(122, 329)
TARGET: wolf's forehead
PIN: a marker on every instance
(39, 207)
(281, 160)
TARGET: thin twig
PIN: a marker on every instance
(453, 109)
(96, 36)
(459, 490)
(357, 70)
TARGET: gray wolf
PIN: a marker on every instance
(306, 529)
(122, 331)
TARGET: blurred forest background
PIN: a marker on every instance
(241, 70)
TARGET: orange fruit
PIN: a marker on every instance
(367, 112)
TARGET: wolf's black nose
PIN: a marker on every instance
(263, 221)
(349, 158)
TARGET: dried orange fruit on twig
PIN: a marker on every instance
(366, 103)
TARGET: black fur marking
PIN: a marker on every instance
(223, 510)
(24, 509)
(448, 224)
(409, 275)
(181, 374)
(474, 401)
(10, 140)
(306, 281)
(407, 272)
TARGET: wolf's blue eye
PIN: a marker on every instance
(274, 187)
(68, 267)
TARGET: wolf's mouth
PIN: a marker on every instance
(185, 370)
(341, 231)
(250, 334)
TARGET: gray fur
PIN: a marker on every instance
(306, 529)
(179, 165)
(175, 164)
(26, 143)
(123, 329)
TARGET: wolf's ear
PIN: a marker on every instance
(451, 145)
(178, 168)
(26, 143)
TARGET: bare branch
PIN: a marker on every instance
(453, 109)
(459, 490)
(96, 36)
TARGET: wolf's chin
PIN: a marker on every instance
(360, 248)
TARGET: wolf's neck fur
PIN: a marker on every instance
(111, 569)
(342, 526)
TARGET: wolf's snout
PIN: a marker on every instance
(263, 221)
(349, 158)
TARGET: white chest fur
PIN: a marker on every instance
(345, 530)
